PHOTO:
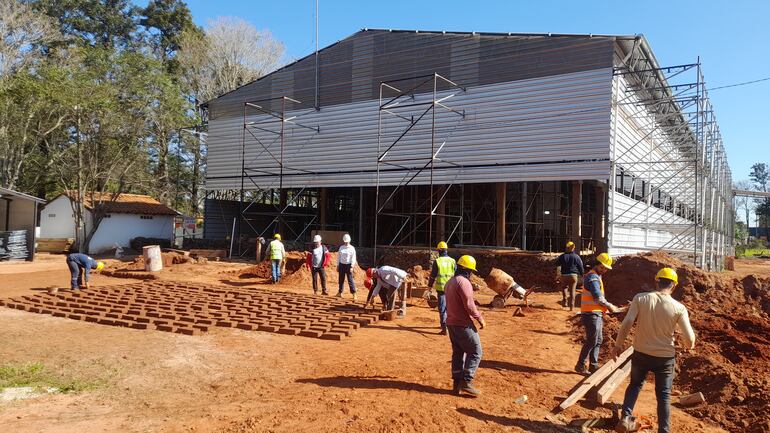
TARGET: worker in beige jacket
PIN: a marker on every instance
(658, 316)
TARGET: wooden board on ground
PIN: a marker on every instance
(54, 245)
(176, 251)
(611, 384)
(209, 254)
(594, 379)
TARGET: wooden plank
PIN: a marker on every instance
(594, 379)
(611, 384)
(209, 254)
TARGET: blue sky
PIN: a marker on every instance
(732, 39)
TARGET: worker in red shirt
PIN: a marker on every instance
(460, 312)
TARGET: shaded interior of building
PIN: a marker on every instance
(537, 216)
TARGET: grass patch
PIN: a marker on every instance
(37, 375)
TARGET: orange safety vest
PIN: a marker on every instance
(587, 302)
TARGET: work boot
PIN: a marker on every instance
(339, 294)
(627, 424)
(466, 388)
(325, 293)
(456, 387)
(355, 298)
(581, 369)
(442, 332)
(315, 292)
(592, 369)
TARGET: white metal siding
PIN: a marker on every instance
(548, 128)
(121, 228)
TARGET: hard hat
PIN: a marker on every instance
(100, 266)
(668, 274)
(317, 238)
(346, 238)
(468, 262)
(570, 244)
(605, 260)
(370, 273)
(368, 283)
(277, 236)
(442, 246)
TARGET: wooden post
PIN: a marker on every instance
(260, 241)
(524, 207)
(600, 241)
(500, 220)
(576, 214)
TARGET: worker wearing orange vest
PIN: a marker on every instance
(593, 305)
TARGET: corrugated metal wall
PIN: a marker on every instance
(539, 129)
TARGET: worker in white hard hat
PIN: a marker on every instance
(317, 260)
(657, 316)
(277, 253)
(441, 271)
(78, 264)
(346, 260)
(593, 306)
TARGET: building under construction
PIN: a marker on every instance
(405, 138)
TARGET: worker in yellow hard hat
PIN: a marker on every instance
(277, 253)
(461, 310)
(78, 264)
(657, 316)
(569, 269)
(441, 271)
(593, 305)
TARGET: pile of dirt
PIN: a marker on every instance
(730, 316)
(297, 274)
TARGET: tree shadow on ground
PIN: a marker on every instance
(373, 382)
(240, 284)
(524, 424)
(504, 365)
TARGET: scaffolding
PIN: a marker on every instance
(408, 101)
(265, 123)
(670, 181)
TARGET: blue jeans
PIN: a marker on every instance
(345, 270)
(74, 274)
(276, 267)
(663, 368)
(442, 309)
(466, 352)
(593, 323)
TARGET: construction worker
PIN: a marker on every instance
(593, 305)
(385, 281)
(277, 253)
(657, 315)
(466, 344)
(570, 269)
(316, 261)
(441, 271)
(81, 263)
(346, 259)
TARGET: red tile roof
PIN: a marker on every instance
(137, 204)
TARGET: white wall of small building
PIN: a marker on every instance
(121, 228)
(57, 219)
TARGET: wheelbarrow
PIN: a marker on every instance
(505, 287)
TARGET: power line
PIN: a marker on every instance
(739, 84)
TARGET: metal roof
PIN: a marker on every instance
(6, 191)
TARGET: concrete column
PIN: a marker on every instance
(576, 214)
(440, 212)
(500, 220)
(323, 194)
(524, 207)
(600, 241)
(282, 200)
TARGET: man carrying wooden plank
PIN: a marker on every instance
(658, 316)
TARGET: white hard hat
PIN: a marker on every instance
(346, 238)
(317, 238)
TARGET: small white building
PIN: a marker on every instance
(127, 217)
(18, 211)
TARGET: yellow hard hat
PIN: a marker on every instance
(277, 236)
(668, 274)
(605, 260)
(99, 266)
(468, 262)
(570, 244)
(442, 246)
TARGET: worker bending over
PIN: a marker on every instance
(441, 271)
(570, 270)
(384, 281)
(346, 259)
(277, 253)
(593, 305)
(81, 263)
(317, 260)
(658, 316)
(466, 344)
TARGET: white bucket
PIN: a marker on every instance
(152, 259)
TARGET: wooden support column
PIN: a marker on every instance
(500, 219)
(600, 240)
(576, 214)
(524, 207)
(440, 212)
(323, 194)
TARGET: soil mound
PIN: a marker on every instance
(732, 352)
(297, 274)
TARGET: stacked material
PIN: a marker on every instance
(13, 245)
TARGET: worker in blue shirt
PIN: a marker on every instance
(78, 263)
(593, 306)
(570, 271)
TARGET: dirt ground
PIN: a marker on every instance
(388, 377)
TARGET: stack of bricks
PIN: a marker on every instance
(192, 309)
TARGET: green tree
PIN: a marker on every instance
(166, 21)
(760, 175)
(105, 23)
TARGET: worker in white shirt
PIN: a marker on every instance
(345, 262)
(658, 316)
(388, 280)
